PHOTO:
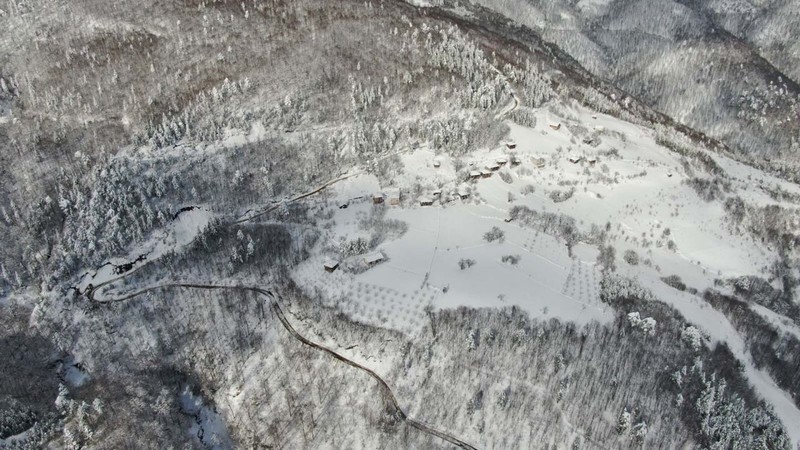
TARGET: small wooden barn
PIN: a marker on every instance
(330, 265)
(373, 258)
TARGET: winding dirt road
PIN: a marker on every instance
(276, 308)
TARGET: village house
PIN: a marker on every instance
(393, 196)
(330, 265)
(377, 198)
(462, 193)
(494, 167)
(425, 201)
(592, 160)
(485, 173)
(574, 159)
(437, 163)
(501, 161)
(373, 258)
(555, 125)
(474, 174)
(511, 145)
(539, 163)
(515, 161)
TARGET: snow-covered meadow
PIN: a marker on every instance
(624, 182)
(627, 184)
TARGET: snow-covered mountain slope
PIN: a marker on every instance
(624, 190)
(348, 224)
(699, 62)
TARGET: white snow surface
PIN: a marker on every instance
(639, 192)
(177, 234)
(209, 428)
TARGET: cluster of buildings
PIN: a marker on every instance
(390, 196)
(575, 159)
(370, 259)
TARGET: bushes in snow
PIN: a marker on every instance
(674, 281)
(631, 257)
(528, 189)
(692, 337)
(559, 225)
(771, 349)
(524, 117)
(606, 259)
(495, 234)
(561, 196)
(511, 259)
(646, 325)
(615, 287)
(760, 291)
(466, 263)
(708, 190)
(354, 247)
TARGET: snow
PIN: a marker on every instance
(423, 264)
(176, 235)
(719, 329)
(636, 192)
(189, 224)
(73, 375)
(19, 437)
(209, 427)
(640, 205)
(373, 258)
(780, 322)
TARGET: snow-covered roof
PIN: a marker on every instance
(330, 264)
(373, 258)
(474, 173)
(392, 192)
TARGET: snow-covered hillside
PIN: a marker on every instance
(327, 224)
(623, 189)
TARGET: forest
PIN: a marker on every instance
(166, 168)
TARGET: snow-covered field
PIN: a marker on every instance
(637, 189)
(628, 185)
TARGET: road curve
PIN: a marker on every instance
(276, 308)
